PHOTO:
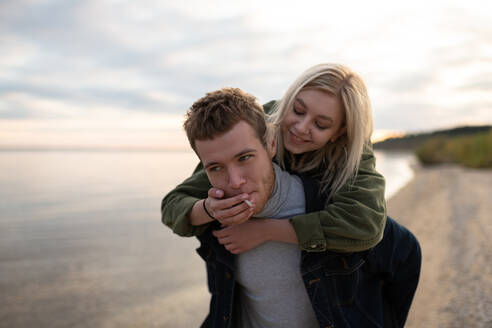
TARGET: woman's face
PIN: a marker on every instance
(316, 118)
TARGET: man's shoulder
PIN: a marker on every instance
(285, 175)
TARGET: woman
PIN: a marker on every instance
(323, 128)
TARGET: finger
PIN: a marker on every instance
(215, 193)
(239, 218)
(224, 241)
(220, 233)
(230, 247)
(235, 250)
(232, 211)
(222, 204)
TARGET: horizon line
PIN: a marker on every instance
(6, 148)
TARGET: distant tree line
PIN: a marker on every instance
(414, 141)
(467, 146)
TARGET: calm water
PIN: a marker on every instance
(82, 245)
(396, 168)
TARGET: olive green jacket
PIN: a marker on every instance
(353, 220)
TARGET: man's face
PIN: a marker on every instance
(237, 162)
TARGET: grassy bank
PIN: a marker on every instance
(470, 151)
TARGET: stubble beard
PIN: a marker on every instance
(269, 183)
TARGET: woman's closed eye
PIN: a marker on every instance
(297, 111)
(321, 126)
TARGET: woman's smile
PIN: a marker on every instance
(296, 139)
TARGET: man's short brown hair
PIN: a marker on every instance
(219, 111)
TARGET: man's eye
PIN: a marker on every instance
(244, 158)
(214, 169)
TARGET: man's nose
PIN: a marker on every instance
(236, 178)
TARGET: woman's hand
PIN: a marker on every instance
(228, 211)
(240, 238)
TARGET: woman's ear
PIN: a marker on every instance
(340, 133)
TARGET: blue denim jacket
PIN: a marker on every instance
(363, 289)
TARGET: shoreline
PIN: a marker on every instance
(396, 168)
(448, 209)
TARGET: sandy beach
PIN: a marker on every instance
(449, 209)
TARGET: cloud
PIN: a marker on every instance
(482, 83)
(409, 82)
(424, 116)
(115, 58)
(123, 55)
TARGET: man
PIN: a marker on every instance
(273, 285)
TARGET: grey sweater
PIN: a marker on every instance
(271, 291)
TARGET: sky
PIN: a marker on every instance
(118, 73)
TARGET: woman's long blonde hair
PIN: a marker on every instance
(338, 161)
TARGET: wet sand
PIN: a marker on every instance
(449, 209)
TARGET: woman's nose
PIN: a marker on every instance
(302, 126)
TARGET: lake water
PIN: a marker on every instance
(82, 244)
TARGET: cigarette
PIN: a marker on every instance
(248, 203)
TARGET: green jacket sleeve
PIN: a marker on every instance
(178, 203)
(355, 217)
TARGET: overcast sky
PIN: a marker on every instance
(116, 72)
